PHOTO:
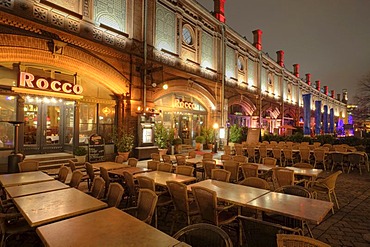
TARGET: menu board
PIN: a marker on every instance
(96, 148)
(253, 135)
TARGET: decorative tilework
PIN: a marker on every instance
(86, 8)
(73, 25)
(40, 13)
(57, 20)
(7, 4)
(121, 43)
(111, 13)
(109, 39)
(71, 5)
(165, 29)
(97, 34)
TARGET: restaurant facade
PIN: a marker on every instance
(73, 69)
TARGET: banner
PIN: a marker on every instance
(306, 113)
(318, 117)
(325, 120)
(331, 129)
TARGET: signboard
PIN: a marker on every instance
(96, 148)
(253, 135)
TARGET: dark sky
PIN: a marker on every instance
(328, 38)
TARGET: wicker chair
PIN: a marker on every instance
(146, 204)
(12, 224)
(181, 201)
(165, 167)
(262, 152)
(104, 174)
(269, 161)
(132, 162)
(130, 188)
(227, 150)
(282, 176)
(208, 167)
(304, 154)
(251, 153)
(326, 186)
(256, 183)
(303, 165)
(356, 159)
(28, 166)
(320, 158)
(239, 149)
(338, 160)
(97, 188)
(220, 175)
(185, 170)
(226, 157)
(119, 159)
(202, 234)
(90, 173)
(76, 179)
(208, 156)
(290, 240)
(155, 157)
(166, 158)
(114, 195)
(152, 165)
(240, 158)
(233, 167)
(180, 159)
(276, 153)
(62, 174)
(210, 211)
(249, 170)
(192, 154)
(288, 156)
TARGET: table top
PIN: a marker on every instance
(297, 207)
(160, 178)
(14, 179)
(51, 206)
(107, 227)
(233, 193)
(309, 172)
(263, 167)
(199, 159)
(132, 170)
(35, 188)
(109, 165)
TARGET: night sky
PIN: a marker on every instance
(328, 38)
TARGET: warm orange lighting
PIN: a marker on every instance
(165, 86)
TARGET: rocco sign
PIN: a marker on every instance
(28, 80)
(179, 103)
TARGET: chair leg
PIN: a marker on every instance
(332, 209)
(336, 200)
(156, 218)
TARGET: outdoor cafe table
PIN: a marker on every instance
(109, 165)
(52, 206)
(307, 172)
(107, 227)
(15, 179)
(297, 207)
(132, 170)
(35, 188)
(160, 178)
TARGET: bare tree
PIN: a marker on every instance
(362, 99)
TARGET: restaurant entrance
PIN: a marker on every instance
(46, 130)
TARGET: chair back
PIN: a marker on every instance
(119, 159)
(303, 165)
(337, 157)
(185, 170)
(227, 150)
(317, 144)
(288, 153)
(206, 200)
(240, 158)
(76, 179)
(249, 170)
(290, 240)
(167, 158)
(269, 161)
(146, 183)
(114, 195)
(340, 148)
(251, 151)
(146, 204)
(90, 170)
(28, 166)
(155, 157)
(319, 154)
(262, 151)
(72, 165)
(233, 167)
(294, 190)
(208, 165)
(130, 184)
(132, 162)
(62, 174)
(239, 149)
(329, 146)
(202, 234)
(220, 175)
(282, 176)
(97, 188)
(208, 156)
(330, 181)
(304, 153)
(104, 174)
(256, 183)
(226, 157)
(180, 159)
(192, 154)
(152, 165)
(165, 167)
(276, 152)
(179, 195)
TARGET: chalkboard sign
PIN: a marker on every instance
(96, 148)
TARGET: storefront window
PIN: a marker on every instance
(7, 113)
(106, 122)
(88, 120)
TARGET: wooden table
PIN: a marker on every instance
(51, 206)
(132, 170)
(307, 172)
(35, 188)
(229, 192)
(109, 165)
(107, 227)
(292, 206)
(160, 178)
(14, 179)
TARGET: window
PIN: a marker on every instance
(106, 122)
(7, 113)
(87, 120)
(240, 64)
(187, 35)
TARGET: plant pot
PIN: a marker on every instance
(125, 155)
(198, 146)
(162, 151)
(81, 159)
(210, 146)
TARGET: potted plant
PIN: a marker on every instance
(199, 141)
(161, 138)
(80, 154)
(125, 143)
(236, 133)
(209, 135)
(177, 142)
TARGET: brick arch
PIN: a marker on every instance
(36, 51)
(244, 102)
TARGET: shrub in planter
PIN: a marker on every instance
(80, 154)
(235, 133)
(199, 141)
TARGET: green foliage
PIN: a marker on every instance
(323, 139)
(273, 137)
(80, 151)
(171, 136)
(177, 141)
(208, 134)
(125, 143)
(199, 139)
(161, 135)
(235, 133)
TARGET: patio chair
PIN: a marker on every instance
(304, 154)
(227, 150)
(183, 204)
(62, 174)
(208, 166)
(220, 175)
(166, 158)
(105, 175)
(152, 165)
(320, 157)
(131, 189)
(97, 188)
(290, 240)
(155, 157)
(356, 159)
(326, 186)
(202, 234)
(165, 167)
(185, 170)
(180, 159)
(262, 153)
(269, 161)
(192, 154)
(76, 179)
(251, 151)
(28, 166)
(74, 166)
(207, 156)
(255, 182)
(239, 158)
(146, 204)
(233, 167)
(249, 170)
(90, 173)
(288, 156)
(12, 224)
(114, 195)
(239, 149)
(226, 157)
(282, 176)
(276, 153)
(338, 160)
(303, 165)
(132, 162)
(119, 159)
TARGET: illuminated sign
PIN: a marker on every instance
(28, 80)
(179, 103)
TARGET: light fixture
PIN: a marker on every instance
(165, 86)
